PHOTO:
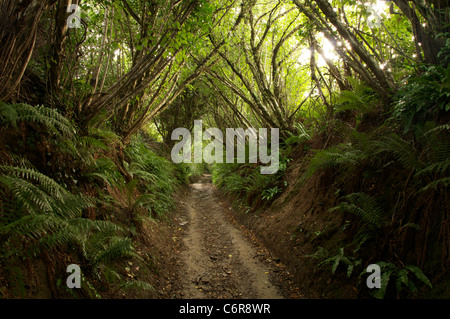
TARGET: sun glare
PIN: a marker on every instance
(380, 7)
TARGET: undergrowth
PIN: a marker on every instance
(78, 203)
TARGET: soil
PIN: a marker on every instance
(296, 225)
(218, 258)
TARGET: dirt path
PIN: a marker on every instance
(219, 261)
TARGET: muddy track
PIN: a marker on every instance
(218, 260)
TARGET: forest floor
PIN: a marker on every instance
(218, 258)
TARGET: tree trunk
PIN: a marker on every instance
(18, 29)
(56, 61)
(424, 36)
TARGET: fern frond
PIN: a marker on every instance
(365, 207)
(87, 226)
(114, 249)
(436, 168)
(92, 142)
(361, 98)
(32, 226)
(106, 135)
(51, 118)
(28, 196)
(301, 136)
(443, 127)
(405, 153)
(139, 170)
(340, 155)
(106, 170)
(144, 200)
(38, 193)
(8, 114)
(434, 184)
(47, 231)
(46, 183)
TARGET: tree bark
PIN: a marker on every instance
(424, 37)
(61, 32)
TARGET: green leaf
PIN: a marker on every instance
(380, 293)
(350, 270)
(335, 265)
(420, 275)
(402, 278)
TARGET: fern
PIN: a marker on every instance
(361, 98)
(138, 170)
(105, 169)
(301, 136)
(112, 249)
(155, 177)
(365, 207)
(423, 97)
(444, 127)
(47, 232)
(439, 168)
(52, 119)
(401, 278)
(37, 193)
(341, 155)
(437, 156)
(105, 135)
(43, 215)
(269, 194)
(92, 142)
(405, 153)
(336, 260)
(8, 114)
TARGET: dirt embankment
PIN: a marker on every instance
(293, 229)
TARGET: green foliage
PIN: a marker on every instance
(365, 207)
(186, 171)
(400, 149)
(40, 214)
(301, 136)
(423, 97)
(109, 249)
(341, 155)
(105, 169)
(336, 260)
(401, 277)
(269, 194)
(45, 216)
(429, 160)
(264, 82)
(362, 98)
(156, 176)
(428, 156)
(435, 172)
(422, 161)
(36, 193)
(11, 114)
(246, 180)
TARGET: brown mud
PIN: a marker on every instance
(220, 258)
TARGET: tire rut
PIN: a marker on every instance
(219, 262)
